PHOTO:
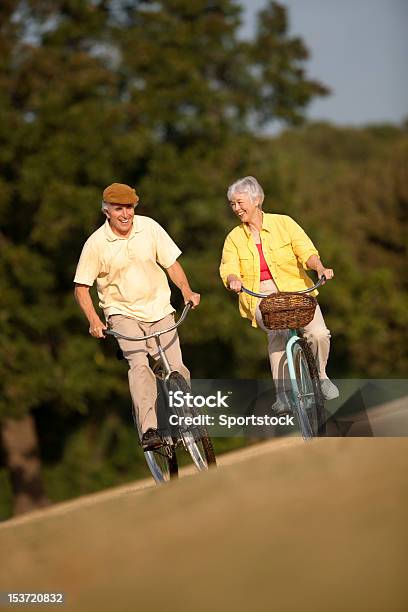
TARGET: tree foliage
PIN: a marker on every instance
(167, 97)
(152, 94)
(349, 189)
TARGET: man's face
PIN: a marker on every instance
(121, 218)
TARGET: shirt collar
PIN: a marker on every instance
(111, 236)
(267, 222)
(265, 225)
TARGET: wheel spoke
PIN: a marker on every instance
(195, 440)
(162, 461)
(307, 400)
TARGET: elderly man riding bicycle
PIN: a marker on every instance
(268, 253)
(126, 256)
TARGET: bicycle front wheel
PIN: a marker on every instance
(196, 439)
(162, 461)
(308, 399)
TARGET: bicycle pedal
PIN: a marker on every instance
(151, 440)
(151, 447)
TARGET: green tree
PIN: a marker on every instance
(161, 95)
(349, 190)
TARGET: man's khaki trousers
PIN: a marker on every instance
(315, 332)
(142, 381)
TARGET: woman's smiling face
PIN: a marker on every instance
(245, 207)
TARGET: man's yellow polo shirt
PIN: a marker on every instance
(286, 248)
(129, 278)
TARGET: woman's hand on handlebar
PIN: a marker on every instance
(234, 283)
(315, 263)
(328, 273)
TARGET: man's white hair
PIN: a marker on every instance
(248, 185)
(105, 206)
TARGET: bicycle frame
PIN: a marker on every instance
(186, 438)
(162, 355)
(293, 337)
(156, 336)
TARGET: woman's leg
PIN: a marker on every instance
(276, 347)
(318, 335)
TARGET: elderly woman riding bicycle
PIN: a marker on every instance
(269, 253)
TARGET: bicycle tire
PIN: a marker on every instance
(162, 461)
(195, 439)
(309, 403)
(320, 407)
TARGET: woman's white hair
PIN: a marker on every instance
(248, 185)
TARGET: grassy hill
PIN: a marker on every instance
(290, 526)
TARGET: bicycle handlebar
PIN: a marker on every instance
(321, 280)
(183, 315)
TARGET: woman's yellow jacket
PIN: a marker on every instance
(286, 248)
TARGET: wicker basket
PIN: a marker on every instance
(287, 310)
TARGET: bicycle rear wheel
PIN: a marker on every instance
(309, 402)
(162, 461)
(195, 439)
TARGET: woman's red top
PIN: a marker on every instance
(265, 273)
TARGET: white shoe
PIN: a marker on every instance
(280, 407)
(329, 390)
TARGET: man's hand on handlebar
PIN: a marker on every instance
(191, 296)
(96, 328)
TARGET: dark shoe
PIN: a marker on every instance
(151, 439)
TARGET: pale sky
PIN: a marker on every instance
(359, 49)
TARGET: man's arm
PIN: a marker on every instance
(177, 275)
(84, 300)
(314, 263)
